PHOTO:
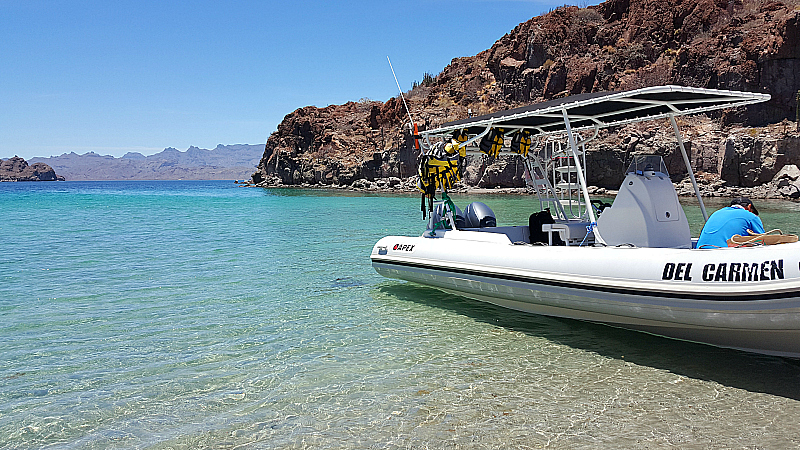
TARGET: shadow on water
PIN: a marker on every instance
(733, 368)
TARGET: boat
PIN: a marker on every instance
(630, 264)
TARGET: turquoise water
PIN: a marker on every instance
(206, 315)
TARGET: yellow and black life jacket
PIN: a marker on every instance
(492, 142)
(521, 143)
(456, 144)
(436, 172)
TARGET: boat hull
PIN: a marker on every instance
(747, 299)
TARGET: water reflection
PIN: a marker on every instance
(733, 368)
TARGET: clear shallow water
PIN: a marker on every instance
(204, 315)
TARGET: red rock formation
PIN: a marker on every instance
(750, 45)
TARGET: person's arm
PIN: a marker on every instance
(756, 226)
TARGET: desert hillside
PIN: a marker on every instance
(749, 45)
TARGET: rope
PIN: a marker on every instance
(449, 203)
(589, 229)
(760, 238)
(753, 237)
(436, 226)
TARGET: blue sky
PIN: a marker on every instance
(119, 76)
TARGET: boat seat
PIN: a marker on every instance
(569, 233)
(514, 233)
(536, 222)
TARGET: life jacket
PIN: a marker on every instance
(492, 142)
(455, 146)
(435, 172)
(521, 143)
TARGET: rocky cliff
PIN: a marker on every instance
(750, 45)
(17, 169)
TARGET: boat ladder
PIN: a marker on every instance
(553, 175)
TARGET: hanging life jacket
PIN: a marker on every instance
(492, 142)
(521, 143)
(440, 173)
(435, 172)
(456, 144)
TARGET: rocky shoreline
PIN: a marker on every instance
(728, 162)
(783, 188)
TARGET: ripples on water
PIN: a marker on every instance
(201, 315)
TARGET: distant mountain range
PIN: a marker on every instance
(225, 162)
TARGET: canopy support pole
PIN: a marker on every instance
(581, 179)
(688, 166)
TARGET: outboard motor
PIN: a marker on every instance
(478, 215)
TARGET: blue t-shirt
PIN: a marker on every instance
(726, 222)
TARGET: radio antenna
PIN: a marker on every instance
(401, 91)
(412, 125)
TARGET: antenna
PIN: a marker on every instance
(412, 125)
(401, 91)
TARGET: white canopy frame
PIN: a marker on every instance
(601, 110)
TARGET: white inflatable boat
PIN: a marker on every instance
(631, 264)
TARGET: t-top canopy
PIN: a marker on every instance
(604, 109)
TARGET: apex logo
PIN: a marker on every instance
(403, 247)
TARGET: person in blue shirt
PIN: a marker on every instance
(739, 218)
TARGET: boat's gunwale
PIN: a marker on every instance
(661, 290)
